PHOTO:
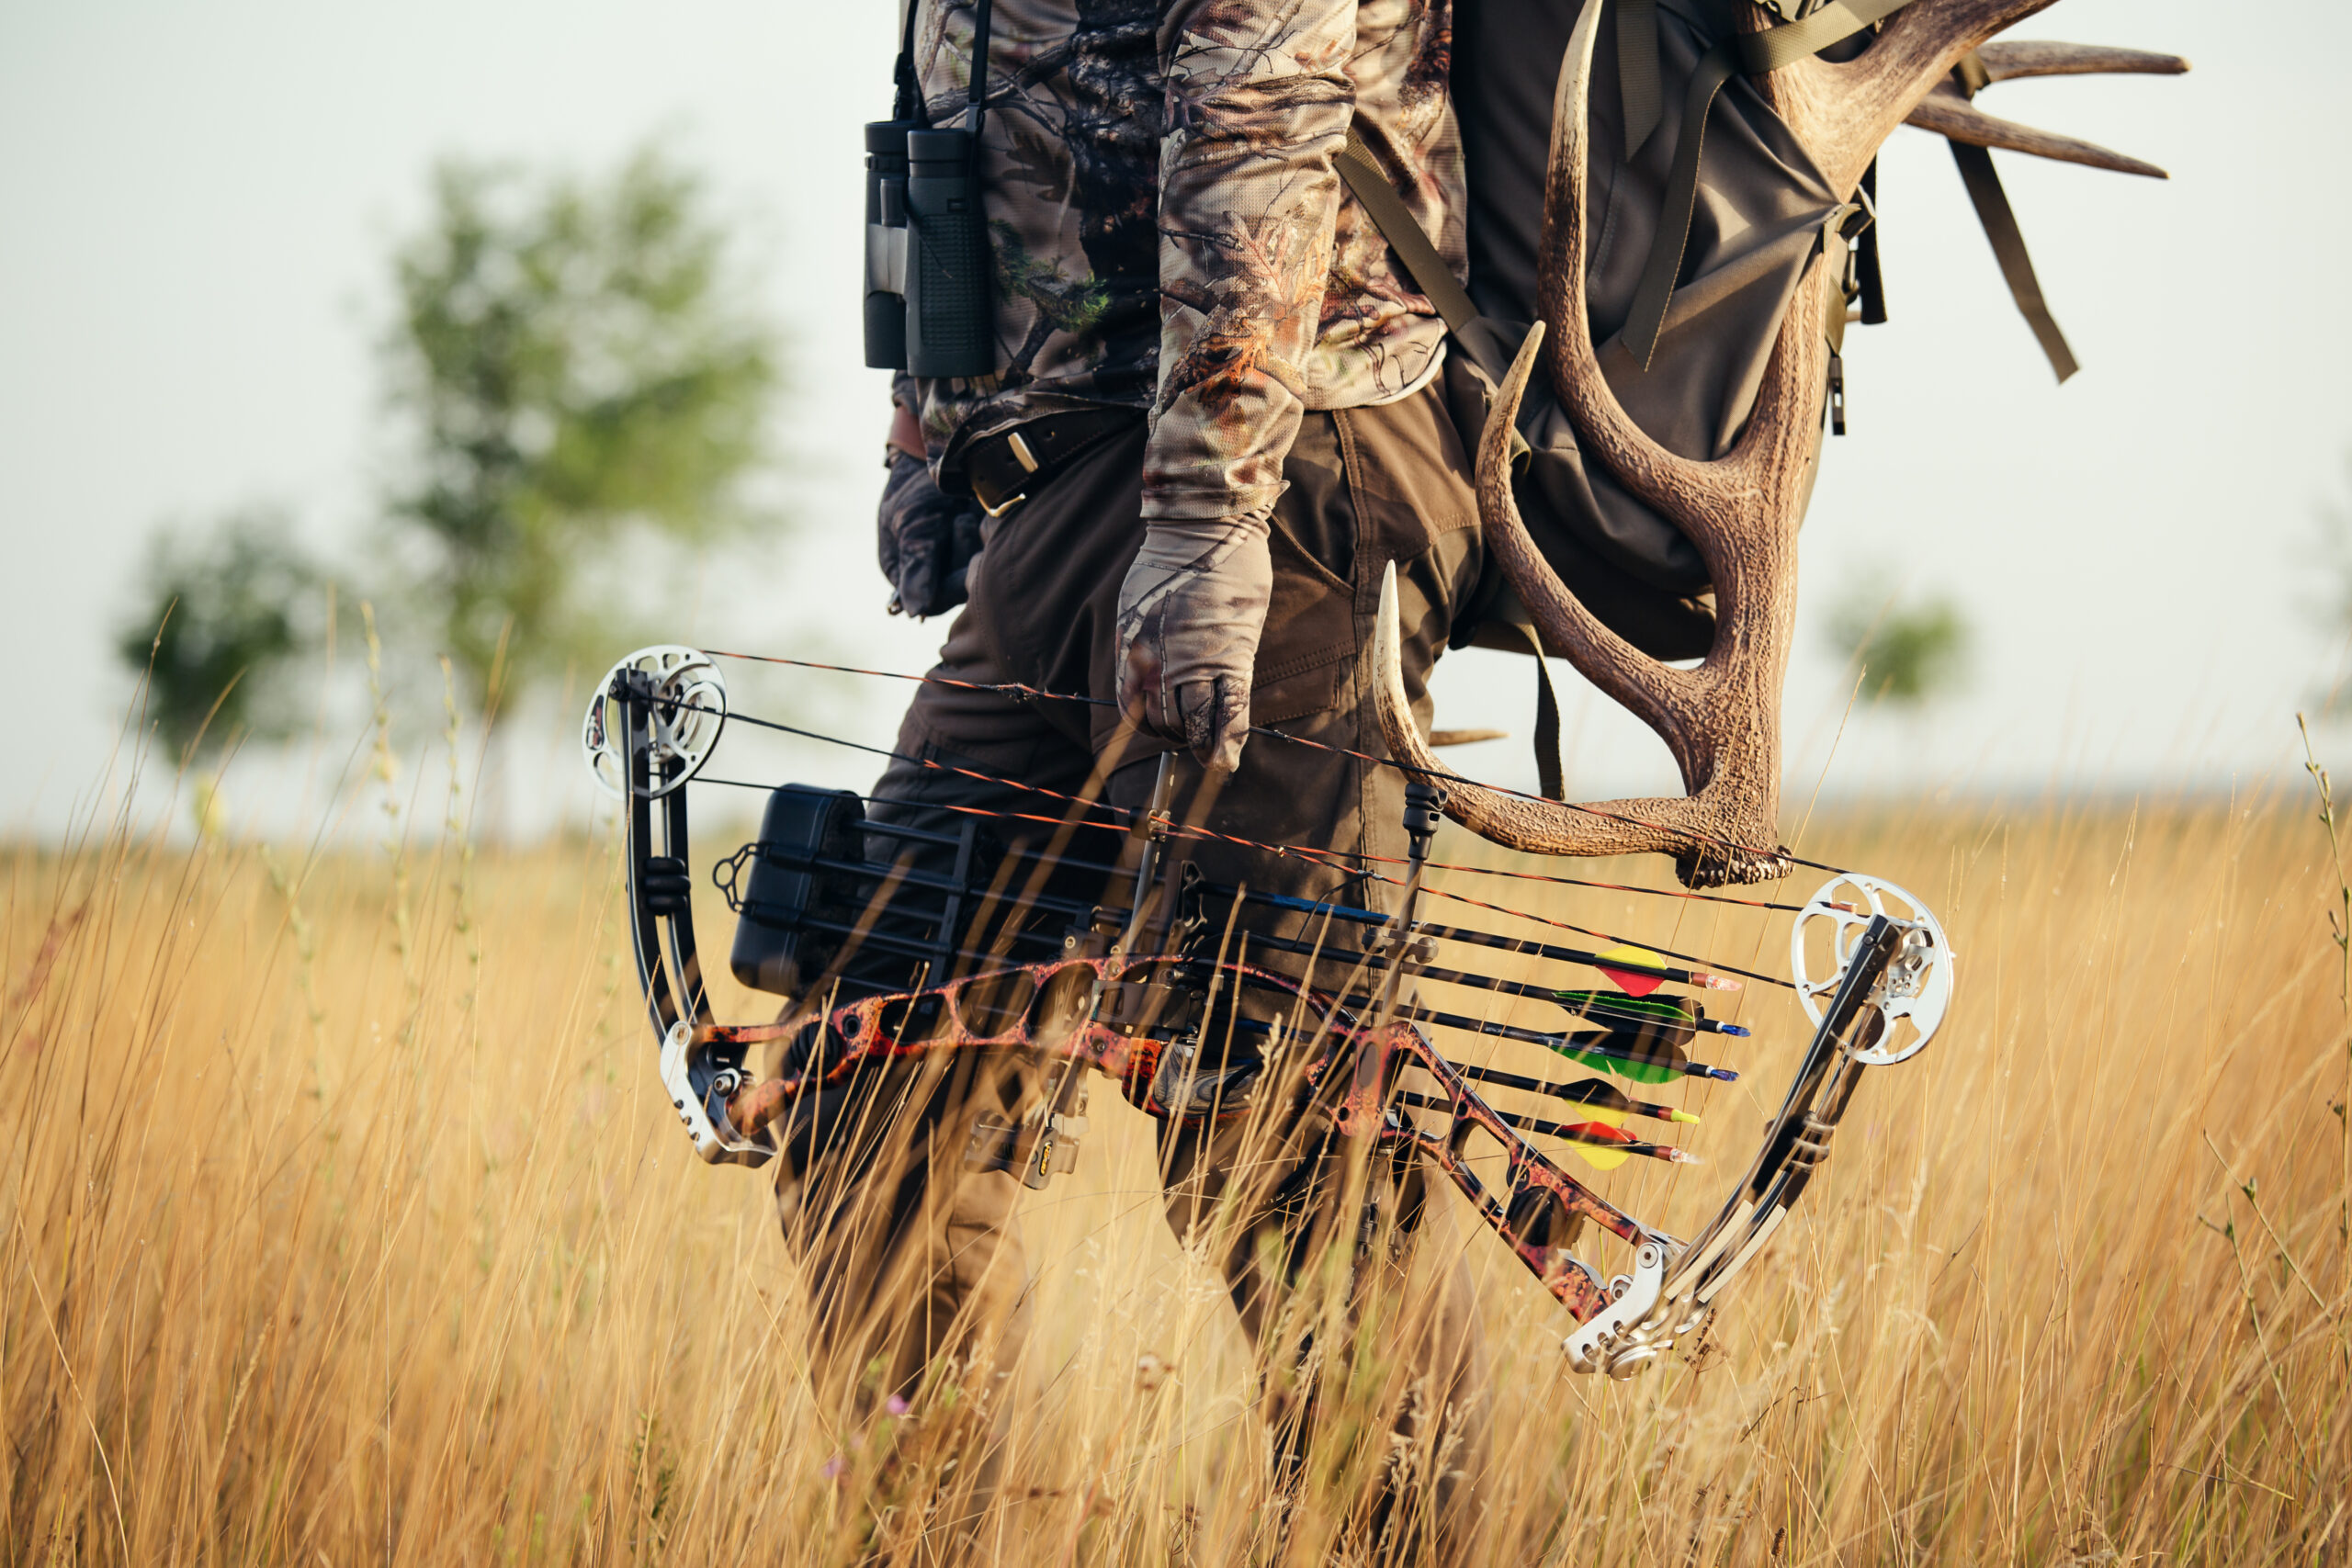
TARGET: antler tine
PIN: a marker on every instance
(1947, 113)
(1638, 682)
(1845, 112)
(2013, 62)
(1535, 827)
(1706, 832)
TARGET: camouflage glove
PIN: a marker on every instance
(927, 537)
(1190, 613)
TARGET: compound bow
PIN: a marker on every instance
(1130, 991)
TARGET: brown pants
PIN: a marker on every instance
(914, 1261)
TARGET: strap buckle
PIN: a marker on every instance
(1855, 215)
(999, 512)
(1018, 446)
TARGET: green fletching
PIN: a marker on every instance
(1638, 1072)
(1598, 1092)
(1617, 1004)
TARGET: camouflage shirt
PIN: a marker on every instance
(1171, 233)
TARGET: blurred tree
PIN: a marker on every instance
(218, 617)
(580, 365)
(1913, 653)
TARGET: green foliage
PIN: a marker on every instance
(1911, 654)
(220, 614)
(580, 365)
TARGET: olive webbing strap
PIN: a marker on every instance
(1405, 235)
(1754, 55)
(1868, 273)
(2000, 222)
(1637, 75)
(1549, 775)
(1638, 86)
(1435, 280)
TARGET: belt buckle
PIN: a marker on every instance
(1028, 461)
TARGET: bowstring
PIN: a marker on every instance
(1020, 691)
(1122, 816)
(1330, 859)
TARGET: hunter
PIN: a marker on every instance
(1215, 417)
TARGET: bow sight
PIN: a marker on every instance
(885, 955)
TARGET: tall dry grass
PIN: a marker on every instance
(344, 1224)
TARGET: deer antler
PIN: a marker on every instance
(1947, 111)
(1721, 720)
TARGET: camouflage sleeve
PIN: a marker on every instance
(1258, 102)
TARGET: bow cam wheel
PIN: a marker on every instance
(687, 709)
(1916, 992)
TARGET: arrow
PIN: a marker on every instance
(1597, 1093)
(1650, 1054)
(1605, 1148)
(1609, 1007)
(1628, 1056)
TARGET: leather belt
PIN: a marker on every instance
(1004, 471)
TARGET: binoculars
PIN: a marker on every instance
(927, 257)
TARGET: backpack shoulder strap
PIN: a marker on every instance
(1435, 280)
(1754, 55)
(1405, 235)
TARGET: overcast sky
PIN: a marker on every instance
(198, 202)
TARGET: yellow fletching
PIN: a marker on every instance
(1600, 1156)
(1626, 952)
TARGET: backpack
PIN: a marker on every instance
(1684, 310)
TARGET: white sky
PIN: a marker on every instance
(196, 203)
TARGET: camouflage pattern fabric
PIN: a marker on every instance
(927, 539)
(1169, 229)
(1191, 611)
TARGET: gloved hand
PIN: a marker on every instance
(1190, 613)
(927, 538)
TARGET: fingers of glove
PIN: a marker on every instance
(1191, 611)
(1215, 717)
(926, 538)
(904, 471)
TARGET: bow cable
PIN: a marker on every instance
(1020, 691)
(1121, 817)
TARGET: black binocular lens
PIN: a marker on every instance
(885, 243)
(927, 256)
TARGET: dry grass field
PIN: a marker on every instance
(343, 1223)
